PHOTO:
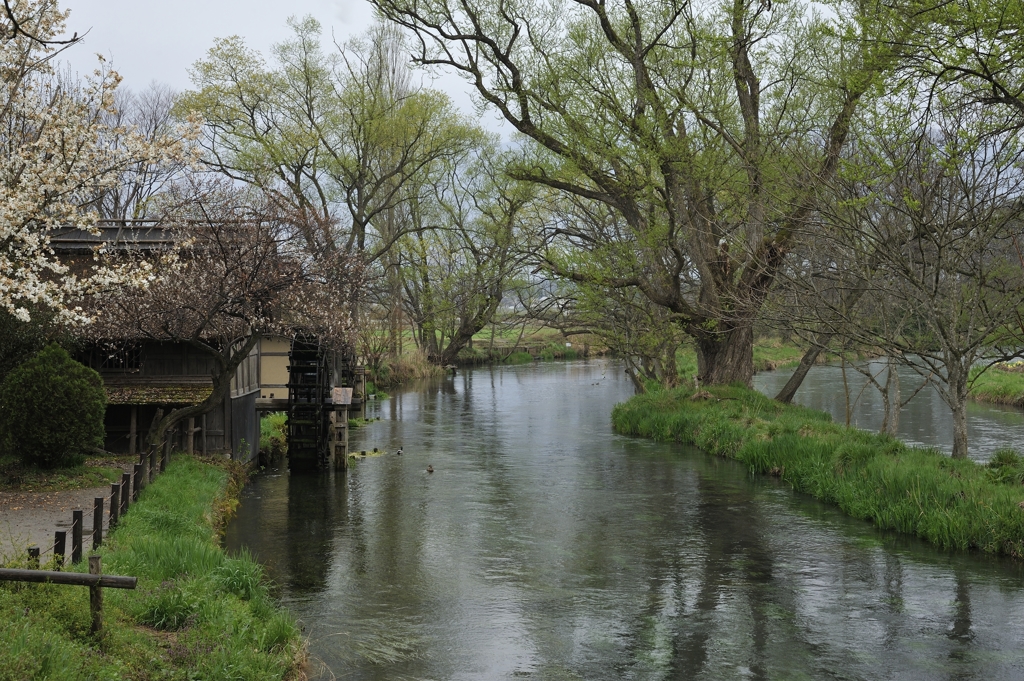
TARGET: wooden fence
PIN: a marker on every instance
(122, 495)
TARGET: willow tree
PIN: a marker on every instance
(335, 136)
(707, 128)
(457, 273)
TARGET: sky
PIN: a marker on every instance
(148, 41)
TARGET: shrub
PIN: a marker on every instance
(51, 410)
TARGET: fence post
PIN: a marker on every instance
(167, 455)
(77, 518)
(115, 502)
(33, 557)
(60, 545)
(126, 483)
(97, 522)
(143, 475)
(153, 464)
(96, 596)
(136, 482)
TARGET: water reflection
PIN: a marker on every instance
(546, 547)
(924, 421)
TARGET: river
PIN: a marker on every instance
(544, 546)
(925, 420)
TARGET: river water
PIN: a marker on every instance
(544, 546)
(925, 420)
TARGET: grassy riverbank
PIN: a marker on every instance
(1001, 384)
(196, 614)
(953, 504)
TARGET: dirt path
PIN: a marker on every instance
(31, 518)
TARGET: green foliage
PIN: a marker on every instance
(20, 340)
(274, 434)
(955, 504)
(51, 410)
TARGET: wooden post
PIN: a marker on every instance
(153, 464)
(191, 435)
(126, 484)
(33, 557)
(203, 422)
(77, 518)
(167, 455)
(96, 596)
(60, 545)
(133, 430)
(97, 522)
(115, 502)
(136, 482)
(143, 480)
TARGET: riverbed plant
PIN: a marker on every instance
(955, 504)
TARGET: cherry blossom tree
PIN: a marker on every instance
(55, 158)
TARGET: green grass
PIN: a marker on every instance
(771, 354)
(197, 613)
(557, 351)
(1002, 384)
(955, 504)
(93, 473)
(274, 434)
(372, 389)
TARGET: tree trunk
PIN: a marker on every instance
(727, 357)
(638, 386)
(956, 376)
(796, 380)
(221, 386)
(894, 400)
(960, 430)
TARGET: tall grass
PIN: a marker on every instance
(410, 366)
(955, 504)
(274, 434)
(213, 612)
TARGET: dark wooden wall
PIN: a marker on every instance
(226, 426)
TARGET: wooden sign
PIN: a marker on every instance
(341, 396)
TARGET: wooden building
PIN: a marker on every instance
(141, 378)
(146, 376)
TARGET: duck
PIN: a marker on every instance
(399, 452)
(430, 469)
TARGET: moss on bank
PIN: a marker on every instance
(197, 612)
(955, 504)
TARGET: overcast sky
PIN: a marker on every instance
(158, 41)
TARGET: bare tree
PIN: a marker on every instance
(145, 115)
(929, 221)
